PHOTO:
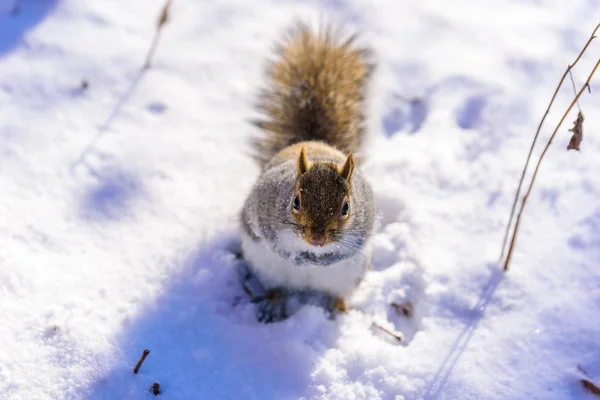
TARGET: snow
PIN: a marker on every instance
(119, 205)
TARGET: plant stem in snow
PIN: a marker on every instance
(162, 20)
(537, 132)
(537, 167)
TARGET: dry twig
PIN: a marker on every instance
(162, 20)
(591, 387)
(141, 361)
(587, 383)
(395, 335)
(537, 167)
(537, 132)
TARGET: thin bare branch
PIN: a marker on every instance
(162, 20)
(537, 132)
(537, 167)
(574, 88)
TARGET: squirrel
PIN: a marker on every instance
(308, 220)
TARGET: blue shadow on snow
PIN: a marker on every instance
(204, 340)
(111, 196)
(15, 24)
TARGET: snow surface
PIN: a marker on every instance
(118, 205)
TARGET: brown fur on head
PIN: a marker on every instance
(321, 202)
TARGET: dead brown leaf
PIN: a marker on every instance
(577, 130)
(155, 388)
(405, 308)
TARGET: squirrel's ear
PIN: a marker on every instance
(348, 168)
(302, 162)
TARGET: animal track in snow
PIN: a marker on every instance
(392, 292)
(469, 114)
(410, 113)
(156, 107)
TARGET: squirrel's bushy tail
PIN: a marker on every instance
(315, 91)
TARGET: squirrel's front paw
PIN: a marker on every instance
(334, 306)
(272, 307)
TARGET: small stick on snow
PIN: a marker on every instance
(141, 361)
(537, 132)
(591, 387)
(162, 20)
(395, 335)
(588, 384)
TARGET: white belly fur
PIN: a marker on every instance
(339, 279)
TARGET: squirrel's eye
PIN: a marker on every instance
(345, 209)
(296, 203)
